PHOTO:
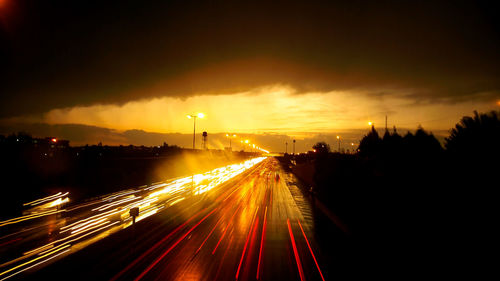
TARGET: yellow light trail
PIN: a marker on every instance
(149, 200)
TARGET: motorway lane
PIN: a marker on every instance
(246, 236)
(49, 230)
(249, 229)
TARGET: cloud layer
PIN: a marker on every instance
(63, 54)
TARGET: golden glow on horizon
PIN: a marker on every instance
(272, 109)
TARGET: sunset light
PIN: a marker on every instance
(248, 140)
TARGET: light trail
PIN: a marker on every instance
(111, 213)
(209, 234)
(264, 223)
(246, 243)
(172, 247)
(29, 217)
(295, 252)
(225, 229)
(48, 198)
(31, 261)
(310, 249)
(143, 255)
(36, 264)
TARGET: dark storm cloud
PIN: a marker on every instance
(63, 53)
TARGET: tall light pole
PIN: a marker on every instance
(245, 142)
(286, 147)
(194, 116)
(230, 136)
(293, 147)
(338, 137)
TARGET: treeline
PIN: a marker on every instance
(407, 199)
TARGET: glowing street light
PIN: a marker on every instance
(189, 116)
(230, 136)
(338, 137)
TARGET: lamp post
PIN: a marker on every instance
(245, 142)
(338, 137)
(189, 116)
(230, 136)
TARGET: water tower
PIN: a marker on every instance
(204, 141)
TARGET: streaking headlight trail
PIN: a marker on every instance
(79, 225)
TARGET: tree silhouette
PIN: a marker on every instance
(474, 134)
(426, 144)
(370, 144)
(392, 143)
(321, 147)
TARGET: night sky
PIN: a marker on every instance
(294, 68)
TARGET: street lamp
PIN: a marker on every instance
(244, 143)
(230, 136)
(189, 116)
(338, 137)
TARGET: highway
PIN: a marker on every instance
(247, 222)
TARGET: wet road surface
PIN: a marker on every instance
(257, 226)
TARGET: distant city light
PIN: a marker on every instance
(54, 140)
